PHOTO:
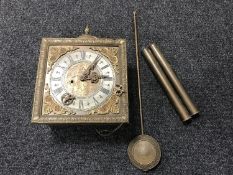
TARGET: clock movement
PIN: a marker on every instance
(81, 80)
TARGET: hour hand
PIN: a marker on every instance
(85, 75)
(94, 77)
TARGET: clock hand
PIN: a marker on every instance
(94, 77)
(91, 67)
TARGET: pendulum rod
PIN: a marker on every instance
(138, 70)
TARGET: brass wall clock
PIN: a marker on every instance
(81, 80)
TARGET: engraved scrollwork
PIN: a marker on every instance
(112, 106)
(51, 107)
(56, 52)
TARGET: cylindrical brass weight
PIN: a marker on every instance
(174, 80)
(157, 70)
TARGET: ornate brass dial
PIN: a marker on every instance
(86, 75)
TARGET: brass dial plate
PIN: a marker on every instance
(89, 92)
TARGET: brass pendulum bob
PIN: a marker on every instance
(143, 151)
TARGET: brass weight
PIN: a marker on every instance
(157, 70)
(174, 80)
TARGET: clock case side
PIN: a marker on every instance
(87, 40)
(39, 85)
(125, 101)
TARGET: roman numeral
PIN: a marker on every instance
(56, 79)
(63, 67)
(58, 91)
(80, 104)
(83, 55)
(98, 57)
(107, 78)
(105, 91)
(96, 102)
(70, 59)
(107, 65)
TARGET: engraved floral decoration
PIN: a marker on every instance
(112, 106)
(56, 52)
(52, 107)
